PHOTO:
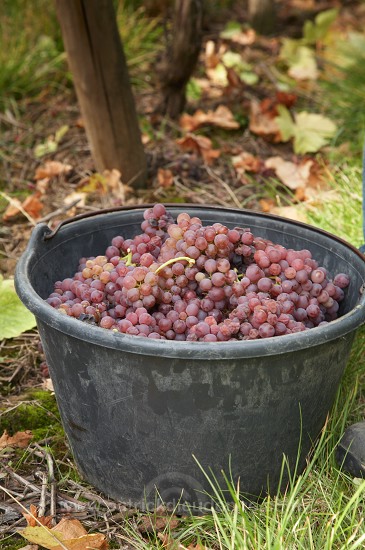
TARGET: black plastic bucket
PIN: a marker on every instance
(135, 410)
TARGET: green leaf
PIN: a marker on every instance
(14, 316)
(193, 90)
(303, 65)
(289, 50)
(61, 132)
(311, 132)
(318, 30)
(285, 123)
(230, 30)
(248, 77)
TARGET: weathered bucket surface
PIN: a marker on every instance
(136, 410)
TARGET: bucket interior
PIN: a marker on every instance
(58, 257)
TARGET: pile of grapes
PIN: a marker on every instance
(186, 281)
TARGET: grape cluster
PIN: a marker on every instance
(185, 281)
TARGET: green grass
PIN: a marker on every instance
(322, 508)
(32, 57)
(343, 85)
(341, 212)
(31, 52)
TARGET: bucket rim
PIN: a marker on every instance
(276, 345)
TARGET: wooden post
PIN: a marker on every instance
(262, 15)
(101, 80)
(183, 54)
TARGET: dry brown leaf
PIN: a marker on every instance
(153, 523)
(245, 162)
(31, 205)
(33, 513)
(80, 123)
(291, 212)
(12, 210)
(293, 175)
(48, 385)
(70, 532)
(29, 547)
(19, 439)
(165, 177)
(262, 120)
(244, 38)
(212, 57)
(42, 185)
(267, 204)
(221, 117)
(52, 168)
(200, 145)
(196, 547)
(286, 98)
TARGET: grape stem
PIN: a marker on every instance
(190, 261)
(128, 258)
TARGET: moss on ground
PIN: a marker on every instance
(13, 542)
(37, 412)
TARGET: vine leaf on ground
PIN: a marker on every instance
(67, 533)
(14, 316)
(201, 145)
(221, 117)
(19, 439)
(310, 131)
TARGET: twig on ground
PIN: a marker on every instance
(42, 500)
(59, 211)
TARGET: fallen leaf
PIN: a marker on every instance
(233, 32)
(165, 177)
(153, 523)
(267, 204)
(221, 117)
(50, 145)
(285, 122)
(200, 145)
(290, 212)
(52, 168)
(304, 66)
(15, 318)
(31, 205)
(19, 440)
(312, 132)
(109, 181)
(245, 162)
(218, 75)
(212, 57)
(70, 532)
(33, 516)
(29, 547)
(80, 122)
(42, 185)
(263, 120)
(293, 175)
(314, 31)
(48, 385)
(243, 70)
